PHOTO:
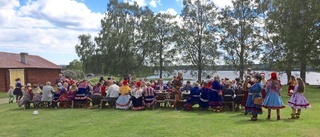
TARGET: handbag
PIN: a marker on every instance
(258, 101)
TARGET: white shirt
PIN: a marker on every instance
(113, 91)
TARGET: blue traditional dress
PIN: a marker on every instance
(194, 98)
(204, 97)
(81, 93)
(149, 96)
(215, 99)
(273, 99)
(254, 92)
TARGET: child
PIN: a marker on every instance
(297, 100)
(10, 93)
(273, 99)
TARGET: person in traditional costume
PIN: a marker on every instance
(239, 96)
(215, 100)
(247, 83)
(228, 94)
(254, 92)
(97, 95)
(63, 99)
(149, 95)
(137, 98)
(37, 95)
(273, 99)
(186, 89)
(161, 86)
(81, 96)
(263, 82)
(291, 84)
(297, 100)
(177, 84)
(123, 101)
(193, 97)
(205, 96)
(18, 91)
(56, 96)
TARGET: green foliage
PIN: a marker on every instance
(75, 65)
(164, 51)
(240, 34)
(158, 123)
(196, 39)
(295, 29)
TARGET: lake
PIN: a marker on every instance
(311, 77)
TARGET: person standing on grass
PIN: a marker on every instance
(177, 84)
(18, 91)
(215, 100)
(273, 99)
(60, 79)
(264, 82)
(204, 96)
(254, 92)
(297, 100)
(291, 84)
(10, 93)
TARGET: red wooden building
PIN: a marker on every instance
(29, 68)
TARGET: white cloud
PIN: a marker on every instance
(222, 3)
(46, 27)
(141, 3)
(154, 3)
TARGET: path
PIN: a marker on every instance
(3, 100)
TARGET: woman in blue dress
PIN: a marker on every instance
(254, 92)
(204, 96)
(215, 100)
(193, 97)
(273, 99)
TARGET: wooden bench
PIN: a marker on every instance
(230, 102)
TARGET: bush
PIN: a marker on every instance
(74, 74)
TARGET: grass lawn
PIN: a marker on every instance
(3, 95)
(17, 122)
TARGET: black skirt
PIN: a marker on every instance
(96, 99)
(17, 91)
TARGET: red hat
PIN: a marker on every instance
(262, 74)
(125, 82)
(138, 84)
(274, 75)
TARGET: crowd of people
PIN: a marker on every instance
(252, 93)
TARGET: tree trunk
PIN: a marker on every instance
(288, 72)
(161, 59)
(241, 71)
(303, 69)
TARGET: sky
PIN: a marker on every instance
(50, 28)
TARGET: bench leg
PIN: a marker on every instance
(72, 103)
(233, 106)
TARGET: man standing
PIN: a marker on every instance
(60, 79)
(177, 84)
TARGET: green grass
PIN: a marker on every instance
(3, 95)
(17, 122)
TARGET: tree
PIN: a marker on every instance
(240, 34)
(296, 25)
(124, 41)
(164, 31)
(75, 65)
(85, 50)
(196, 38)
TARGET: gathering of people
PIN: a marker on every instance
(217, 94)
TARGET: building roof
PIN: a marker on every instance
(13, 60)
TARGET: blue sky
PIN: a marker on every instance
(49, 28)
